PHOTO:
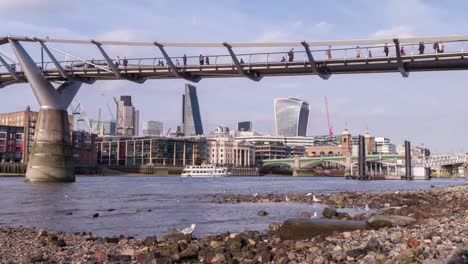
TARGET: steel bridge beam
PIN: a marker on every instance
(9, 69)
(174, 69)
(313, 63)
(251, 75)
(113, 67)
(51, 158)
(400, 64)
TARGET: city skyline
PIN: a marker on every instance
(417, 108)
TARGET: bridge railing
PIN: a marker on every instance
(364, 53)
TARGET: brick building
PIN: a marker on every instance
(27, 120)
(11, 143)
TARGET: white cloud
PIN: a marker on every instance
(402, 31)
(31, 5)
(323, 27)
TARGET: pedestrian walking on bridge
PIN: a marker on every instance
(421, 48)
(291, 55)
(385, 50)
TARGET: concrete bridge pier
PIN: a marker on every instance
(51, 157)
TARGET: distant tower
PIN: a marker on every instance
(191, 118)
(127, 117)
(346, 143)
(291, 117)
(369, 142)
(244, 126)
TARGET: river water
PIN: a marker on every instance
(174, 202)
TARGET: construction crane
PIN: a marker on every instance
(330, 127)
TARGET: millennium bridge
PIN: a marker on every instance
(51, 155)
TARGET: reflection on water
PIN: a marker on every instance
(173, 201)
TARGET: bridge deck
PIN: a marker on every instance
(411, 63)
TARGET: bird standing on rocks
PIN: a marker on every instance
(315, 199)
(367, 208)
(286, 198)
(309, 194)
(255, 194)
(315, 215)
(188, 230)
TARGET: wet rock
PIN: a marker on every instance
(304, 215)
(110, 210)
(143, 210)
(120, 258)
(68, 213)
(60, 243)
(373, 245)
(190, 252)
(303, 229)
(113, 240)
(150, 240)
(218, 258)
(329, 212)
(95, 215)
(342, 215)
(273, 227)
(42, 233)
(458, 256)
(354, 253)
(128, 252)
(437, 239)
(380, 221)
(262, 213)
(413, 242)
(100, 256)
(36, 258)
(174, 236)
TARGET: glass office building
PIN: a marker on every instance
(191, 118)
(291, 117)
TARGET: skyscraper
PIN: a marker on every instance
(244, 126)
(153, 128)
(191, 119)
(127, 117)
(291, 117)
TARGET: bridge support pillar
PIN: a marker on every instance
(51, 157)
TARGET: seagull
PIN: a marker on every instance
(309, 194)
(286, 198)
(397, 192)
(367, 208)
(188, 230)
(255, 194)
(315, 215)
(315, 199)
(66, 196)
(386, 205)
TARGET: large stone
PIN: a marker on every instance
(380, 221)
(293, 229)
(458, 256)
(51, 158)
(329, 212)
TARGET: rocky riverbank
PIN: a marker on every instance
(439, 235)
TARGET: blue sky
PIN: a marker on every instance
(427, 108)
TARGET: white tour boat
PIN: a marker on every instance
(205, 171)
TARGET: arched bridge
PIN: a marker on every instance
(347, 162)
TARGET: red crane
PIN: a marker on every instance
(330, 127)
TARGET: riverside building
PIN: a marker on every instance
(158, 151)
(223, 149)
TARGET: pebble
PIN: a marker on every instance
(441, 229)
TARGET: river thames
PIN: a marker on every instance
(173, 201)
